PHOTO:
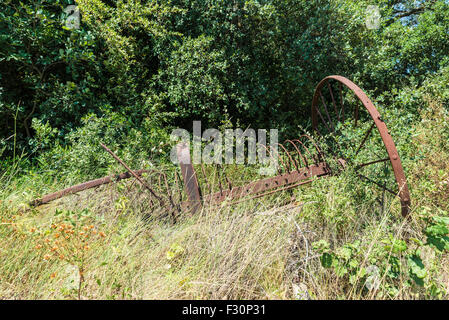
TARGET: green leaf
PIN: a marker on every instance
(441, 243)
(326, 260)
(437, 230)
(353, 264)
(399, 246)
(417, 269)
(362, 272)
(341, 270)
(353, 279)
(417, 241)
(394, 267)
(442, 220)
(344, 253)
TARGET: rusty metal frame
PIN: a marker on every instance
(293, 176)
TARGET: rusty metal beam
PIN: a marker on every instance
(83, 186)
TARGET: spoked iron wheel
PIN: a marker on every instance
(354, 131)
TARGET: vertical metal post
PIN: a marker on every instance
(189, 177)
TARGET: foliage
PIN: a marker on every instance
(381, 267)
(46, 71)
(254, 63)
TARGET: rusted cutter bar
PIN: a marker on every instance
(260, 186)
(291, 175)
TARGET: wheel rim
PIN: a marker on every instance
(336, 105)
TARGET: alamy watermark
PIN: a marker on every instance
(219, 147)
(73, 20)
(372, 19)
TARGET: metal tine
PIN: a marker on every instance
(327, 112)
(314, 158)
(176, 182)
(319, 132)
(271, 155)
(299, 153)
(212, 180)
(273, 191)
(151, 178)
(295, 163)
(162, 179)
(307, 150)
(169, 191)
(131, 185)
(280, 157)
(180, 181)
(173, 206)
(130, 195)
(282, 161)
(288, 155)
(176, 188)
(159, 182)
(218, 176)
(333, 100)
(292, 160)
(320, 153)
(150, 196)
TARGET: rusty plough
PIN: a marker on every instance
(343, 116)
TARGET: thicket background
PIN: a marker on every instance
(136, 69)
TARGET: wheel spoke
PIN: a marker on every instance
(362, 147)
(378, 184)
(322, 119)
(327, 112)
(333, 101)
(342, 104)
(359, 166)
(364, 139)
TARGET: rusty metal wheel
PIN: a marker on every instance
(345, 117)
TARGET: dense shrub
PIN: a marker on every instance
(253, 63)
